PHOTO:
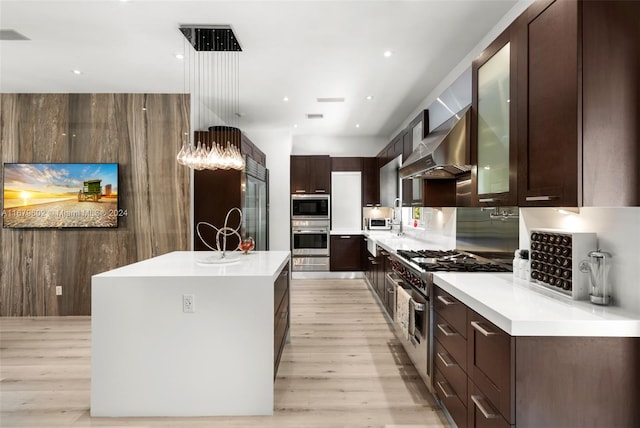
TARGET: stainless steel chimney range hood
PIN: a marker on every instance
(444, 153)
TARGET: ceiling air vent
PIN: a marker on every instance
(314, 116)
(330, 100)
(12, 35)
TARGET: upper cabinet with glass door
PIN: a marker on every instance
(493, 147)
(416, 132)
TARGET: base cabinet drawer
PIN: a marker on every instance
(482, 413)
(451, 309)
(451, 370)
(450, 400)
(451, 340)
(490, 363)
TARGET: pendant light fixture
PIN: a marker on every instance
(212, 74)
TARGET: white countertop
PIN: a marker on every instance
(390, 241)
(185, 263)
(522, 309)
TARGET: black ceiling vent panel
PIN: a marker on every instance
(216, 38)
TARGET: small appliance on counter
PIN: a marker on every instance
(555, 258)
(379, 224)
(598, 269)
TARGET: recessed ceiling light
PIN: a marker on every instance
(295, 125)
(285, 99)
(387, 54)
(76, 71)
(357, 125)
(179, 56)
(369, 97)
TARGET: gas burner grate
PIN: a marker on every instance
(450, 261)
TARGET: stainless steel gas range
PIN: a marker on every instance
(412, 277)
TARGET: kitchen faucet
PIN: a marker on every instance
(398, 201)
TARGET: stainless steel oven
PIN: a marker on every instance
(310, 238)
(310, 207)
(412, 328)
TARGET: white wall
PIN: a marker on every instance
(618, 231)
(276, 144)
(337, 146)
(463, 65)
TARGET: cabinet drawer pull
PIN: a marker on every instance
(301, 191)
(446, 301)
(481, 329)
(345, 237)
(540, 198)
(443, 356)
(320, 191)
(447, 394)
(488, 200)
(447, 330)
(488, 413)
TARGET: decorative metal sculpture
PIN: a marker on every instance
(224, 231)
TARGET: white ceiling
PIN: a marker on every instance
(299, 49)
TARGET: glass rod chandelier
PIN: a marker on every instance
(211, 71)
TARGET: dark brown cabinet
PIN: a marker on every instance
(370, 182)
(578, 104)
(487, 378)
(490, 366)
(450, 354)
(310, 174)
(281, 319)
(248, 148)
(346, 252)
(494, 151)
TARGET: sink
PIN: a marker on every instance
(217, 259)
(371, 246)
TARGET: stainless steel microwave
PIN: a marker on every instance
(310, 207)
(379, 224)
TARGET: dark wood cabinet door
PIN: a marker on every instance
(491, 363)
(370, 182)
(319, 174)
(494, 119)
(548, 93)
(281, 316)
(299, 175)
(310, 174)
(346, 252)
(482, 413)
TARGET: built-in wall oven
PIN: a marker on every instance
(310, 207)
(310, 245)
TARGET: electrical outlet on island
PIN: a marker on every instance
(188, 303)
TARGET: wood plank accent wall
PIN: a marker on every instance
(153, 188)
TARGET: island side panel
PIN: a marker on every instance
(151, 359)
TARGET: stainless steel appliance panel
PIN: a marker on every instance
(310, 237)
(310, 264)
(255, 209)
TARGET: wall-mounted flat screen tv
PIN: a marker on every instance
(58, 195)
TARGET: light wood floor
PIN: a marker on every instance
(343, 368)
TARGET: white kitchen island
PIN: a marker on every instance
(150, 358)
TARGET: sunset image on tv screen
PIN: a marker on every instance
(60, 195)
